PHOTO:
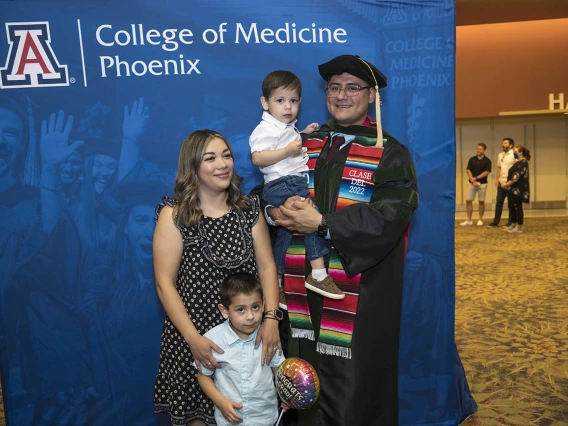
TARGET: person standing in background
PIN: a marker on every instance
(518, 189)
(505, 161)
(478, 168)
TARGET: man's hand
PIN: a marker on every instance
(275, 213)
(299, 215)
(227, 407)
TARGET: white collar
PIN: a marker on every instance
(232, 337)
(266, 116)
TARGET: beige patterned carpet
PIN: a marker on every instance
(512, 322)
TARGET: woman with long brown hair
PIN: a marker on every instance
(518, 189)
(208, 231)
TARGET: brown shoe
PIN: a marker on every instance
(325, 287)
(282, 299)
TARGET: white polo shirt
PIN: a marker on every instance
(505, 161)
(272, 134)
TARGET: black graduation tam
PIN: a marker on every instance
(353, 65)
(364, 70)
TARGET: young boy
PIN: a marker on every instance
(242, 389)
(276, 147)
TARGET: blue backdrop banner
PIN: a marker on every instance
(95, 100)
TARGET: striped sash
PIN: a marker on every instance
(338, 320)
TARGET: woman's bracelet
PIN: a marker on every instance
(270, 317)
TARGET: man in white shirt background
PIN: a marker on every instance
(504, 162)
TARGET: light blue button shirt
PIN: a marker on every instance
(242, 379)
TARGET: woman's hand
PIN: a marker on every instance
(201, 349)
(270, 338)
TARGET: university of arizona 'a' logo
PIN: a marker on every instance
(31, 61)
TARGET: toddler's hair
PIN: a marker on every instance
(283, 79)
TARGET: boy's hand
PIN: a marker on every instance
(294, 148)
(285, 407)
(311, 128)
(227, 407)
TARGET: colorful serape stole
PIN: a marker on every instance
(295, 262)
(295, 289)
(338, 320)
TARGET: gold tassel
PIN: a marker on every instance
(377, 108)
(378, 114)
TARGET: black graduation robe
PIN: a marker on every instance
(370, 239)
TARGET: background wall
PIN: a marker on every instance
(544, 136)
(513, 67)
(510, 66)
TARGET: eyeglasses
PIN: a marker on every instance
(350, 90)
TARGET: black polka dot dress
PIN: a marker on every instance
(212, 249)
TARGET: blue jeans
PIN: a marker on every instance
(276, 193)
(501, 195)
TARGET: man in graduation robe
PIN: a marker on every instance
(363, 182)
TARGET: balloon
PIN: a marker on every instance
(297, 383)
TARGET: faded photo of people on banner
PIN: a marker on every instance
(79, 241)
(95, 102)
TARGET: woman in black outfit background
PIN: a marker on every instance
(518, 186)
